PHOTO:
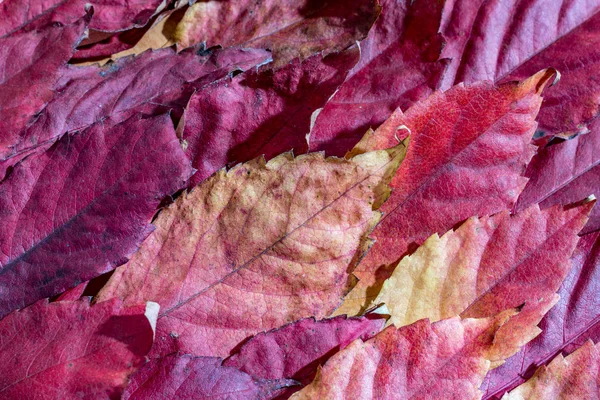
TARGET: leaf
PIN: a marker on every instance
(291, 29)
(486, 266)
(568, 325)
(153, 83)
(469, 147)
(295, 351)
(109, 15)
(67, 349)
(508, 40)
(573, 377)
(399, 66)
(31, 60)
(260, 113)
(185, 377)
(265, 245)
(565, 173)
(83, 207)
(442, 360)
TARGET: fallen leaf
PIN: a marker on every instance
(290, 29)
(259, 112)
(486, 266)
(67, 349)
(446, 359)
(265, 244)
(109, 15)
(512, 39)
(153, 83)
(573, 321)
(399, 65)
(31, 60)
(83, 207)
(573, 377)
(468, 149)
(296, 350)
(184, 377)
(565, 173)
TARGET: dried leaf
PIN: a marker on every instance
(446, 359)
(290, 29)
(83, 207)
(468, 149)
(565, 173)
(512, 39)
(254, 248)
(259, 113)
(185, 377)
(67, 349)
(573, 377)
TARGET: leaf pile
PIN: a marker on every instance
(299, 199)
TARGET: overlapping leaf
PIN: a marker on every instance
(447, 359)
(573, 377)
(31, 60)
(84, 206)
(184, 377)
(399, 65)
(153, 83)
(260, 113)
(68, 349)
(256, 247)
(565, 173)
(572, 322)
(512, 39)
(468, 149)
(486, 266)
(290, 29)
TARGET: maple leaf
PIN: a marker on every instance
(57, 350)
(265, 244)
(109, 15)
(568, 325)
(81, 208)
(32, 60)
(185, 377)
(290, 29)
(565, 173)
(573, 377)
(295, 351)
(509, 39)
(153, 83)
(469, 147)
(259, 113)
(399, 65)
(486, 266)
(446, 359)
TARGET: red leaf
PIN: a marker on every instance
(398, 66)
(467, 151)
(290, 29)
(264, 113)
(296, 350)
(185, 377)
(68, 350)
(444, 360)
(573, 377)
(512, 39)
(109, 15)
(573, 321)
(565, 173)
(31, 60)
(265, 244)
(153, 83)
(84, 206)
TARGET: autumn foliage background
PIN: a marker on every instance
(299, 199)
